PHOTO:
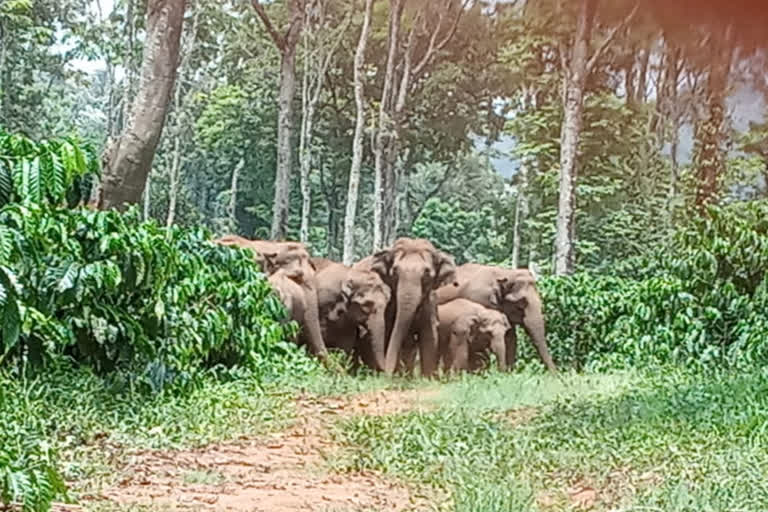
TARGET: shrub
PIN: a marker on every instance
(51, 172)
(116, 293)
(702, 300)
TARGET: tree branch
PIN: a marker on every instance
(433, 47)
(609, 38)
(273, 33)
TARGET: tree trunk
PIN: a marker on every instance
(147, 197)
(305, 152)
(641, 92)
(284, 151)
(521, 210)
(357, 141)
(178, 119)
(710, 157)
(383, 129)
(232, 210)
(286, 45)
(574, 83)
(129, 159)
(173, 186)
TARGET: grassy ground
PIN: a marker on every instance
(650, 441)
(660, 441)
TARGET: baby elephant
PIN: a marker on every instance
(468, 329)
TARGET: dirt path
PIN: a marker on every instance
(284, 472)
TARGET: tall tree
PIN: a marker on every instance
(180, 121)
(128, 160)
(286, 44)
(437, 22)
(711, 131)
(320, 44)
(577, 64)
(357, 141)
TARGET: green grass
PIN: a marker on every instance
(644, 441)
(664, 441)
(89, 422)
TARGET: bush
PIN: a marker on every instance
(700, 301)
(116, 293)
(50, 172)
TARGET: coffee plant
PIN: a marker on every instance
(700, 301)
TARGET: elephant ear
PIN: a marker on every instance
(497, 292)
(516, 292)
(382, 263)
(445, 270)
(269, 261)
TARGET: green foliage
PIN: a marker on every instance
(700, 302)
(470, 236)
(48, 172)
(116, 293)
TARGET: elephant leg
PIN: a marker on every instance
(364, 350)
(458, 351)
(499, 348)
(510, 340)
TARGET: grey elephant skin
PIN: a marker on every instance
(353, 304)
(292, 261)
(468, 329)
(413, 269)
(511, 291)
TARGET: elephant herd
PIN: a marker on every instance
(408, 298)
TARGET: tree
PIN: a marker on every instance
(357, 141)
(577, 64)
(286, 45)
(320, 44)
(128, 160)
(438, 22)
(180, 122)
(711, 131)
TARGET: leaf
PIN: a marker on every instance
(6, 244)
(10, 313)
(6, 182)
(67, 281)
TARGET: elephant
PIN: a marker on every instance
(292, 257)
(353, 306)
(467, 328)
(413, 269)
(291, 261)
(511, 291)
(321, 263)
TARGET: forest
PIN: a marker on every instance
(162, 160)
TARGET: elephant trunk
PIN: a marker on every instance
(377, 328)
(312, 322)
(408, 298)
(533, 322)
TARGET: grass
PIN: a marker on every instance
(664, 441)
(90, 422)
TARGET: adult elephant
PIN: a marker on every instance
(467, 329)
(413, 269)
(353, 306)
(512, 291)
(289, 260)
